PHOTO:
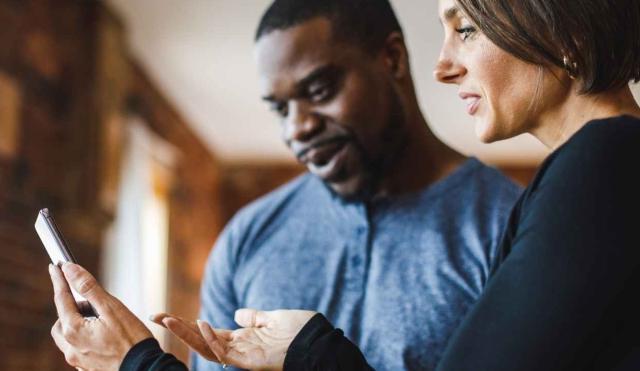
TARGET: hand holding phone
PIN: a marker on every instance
(59, 253)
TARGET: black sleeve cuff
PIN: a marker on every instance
(300, 347)
(139, 355)
(148, 356)
(320, 346)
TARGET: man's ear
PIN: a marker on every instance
(395, 55)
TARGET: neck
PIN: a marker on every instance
(423, 160)
(557, 126)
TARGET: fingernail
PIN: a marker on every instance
(68, 267)
(200, 323)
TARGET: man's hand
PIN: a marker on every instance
(92, 343)
(188, 332)
(261, 344)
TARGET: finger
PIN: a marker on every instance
(86, 285)
(226, 335)
(226, 352)
(251, 318)
(217, 346)
(58, 338)
(158, 318)
(62, 297)
(62, 344)
(191, 338)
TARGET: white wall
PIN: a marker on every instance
(199, 53)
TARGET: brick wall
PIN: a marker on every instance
(48, 60)
(66, 86)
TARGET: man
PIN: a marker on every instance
(391, 234)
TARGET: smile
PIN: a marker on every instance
(326, 161)
(472, 102)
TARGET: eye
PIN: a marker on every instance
(321, 92)
(466, 32)
(280, 108)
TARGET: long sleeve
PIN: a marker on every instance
(148, 356)
(565, 297)
(320, 347)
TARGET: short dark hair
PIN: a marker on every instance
(597, 41)
(366, 23)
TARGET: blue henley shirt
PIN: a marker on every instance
(397, 274)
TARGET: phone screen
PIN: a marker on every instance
(52, 239)
(59, 253)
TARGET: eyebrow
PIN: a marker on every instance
(314, 75)
(451, 13)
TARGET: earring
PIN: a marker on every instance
(571, 67)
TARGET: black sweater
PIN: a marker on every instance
(564, 295)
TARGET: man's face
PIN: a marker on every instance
(341, 113)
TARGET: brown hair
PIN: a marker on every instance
(597, 41)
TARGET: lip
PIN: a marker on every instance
(317, 150)
(472, 101)
(322, 154)
(331, 167)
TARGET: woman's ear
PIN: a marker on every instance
(395, 55)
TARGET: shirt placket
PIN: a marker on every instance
(357, 252)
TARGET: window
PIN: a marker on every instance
(135, 254)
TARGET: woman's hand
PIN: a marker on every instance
(261, 344)
(92, 343)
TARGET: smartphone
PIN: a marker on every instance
(59, 253)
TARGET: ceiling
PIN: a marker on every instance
(199, 53)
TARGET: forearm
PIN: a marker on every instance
(319, 346)
(148, 356)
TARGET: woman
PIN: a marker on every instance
(563, 296)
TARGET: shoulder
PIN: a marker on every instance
(602, 152)
(475, 191)
(591, 175)
(269, 212)
(487, 187)
(481, 197)
(491, 179)
(610, 136)
(302, 187)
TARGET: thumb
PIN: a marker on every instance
(246, 317)
(86, 285)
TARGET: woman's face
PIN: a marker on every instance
(504, 94)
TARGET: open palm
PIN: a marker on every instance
(261, 343)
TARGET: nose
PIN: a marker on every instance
(448, 70)
(301, 124)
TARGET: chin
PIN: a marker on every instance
(485, 131)
(488, 131)
(354, 189)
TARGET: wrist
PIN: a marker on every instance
(138, 352)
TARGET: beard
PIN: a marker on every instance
(376, 163)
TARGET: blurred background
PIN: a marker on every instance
(139, 124)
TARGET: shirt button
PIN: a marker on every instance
(361, 230)
(356, 261)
